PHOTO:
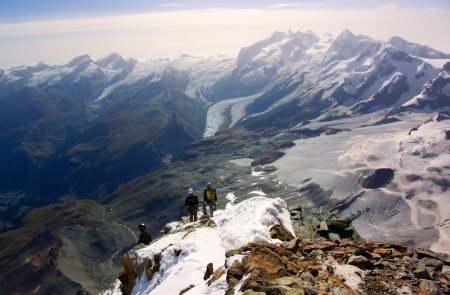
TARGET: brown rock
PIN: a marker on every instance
(428, 253)
(359, 261)
(235, 271)
(128, 273)
(346, 242)
(292, 245)
(427, 287)
(280, 232)
(209, 271)
(149, 274)
(338, 254)
(407, 260)
(266, 261)
(382, 251)
(446, 271)
(397, 253)
(322, 245)
(147, 262)
(186, 289)
(422, 274)
(218, 273)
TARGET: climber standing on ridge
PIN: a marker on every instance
(192, 203)
(144, 237)
(209, 198)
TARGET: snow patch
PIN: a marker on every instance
(248, 221)
(258, 192)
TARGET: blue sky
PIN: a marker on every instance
(55, 31)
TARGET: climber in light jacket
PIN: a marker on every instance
(209, 199)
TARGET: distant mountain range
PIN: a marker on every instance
(109, 130)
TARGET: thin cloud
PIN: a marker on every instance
(207, 32)
(173, 4)
(298, 5)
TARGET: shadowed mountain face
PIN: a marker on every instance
(53, 142)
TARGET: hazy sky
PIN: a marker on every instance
(55, 31)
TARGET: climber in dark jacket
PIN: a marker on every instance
(144, 237)
(191, 203)
(209, 198)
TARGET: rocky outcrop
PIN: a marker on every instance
(314, 264)
(327, 256)
(379, 178)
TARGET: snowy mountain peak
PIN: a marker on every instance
(447, 66)
(280, 46)
(346, 34)
(416, 49)
(348, 45)
(80, 60)
(115, 61)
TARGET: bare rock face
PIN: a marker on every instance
(379, 178)
(312, 263)
(186, 289)
(280, 232)
(209, 271)
(128, 273)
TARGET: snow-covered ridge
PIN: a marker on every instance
(236, 225)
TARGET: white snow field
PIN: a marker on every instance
(247, 221)
(413, 207)
(230, 109)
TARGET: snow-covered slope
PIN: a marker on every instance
(202, 73)
(417, 49)
(281, 81)
(294, 77)
(435, 94)
(412, 208)
(237, 225)
(107, 74)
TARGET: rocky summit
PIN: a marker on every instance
(326, 256)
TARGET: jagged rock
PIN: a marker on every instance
(334, 237)
(422, 274)
(251, 292)
(128, 273)
(280, 232)
(446, 271)
(310, 264)
(379, 178)
(359, 261)
(218, 273)
(209, 271)
(430, 263)
(267, 157)
(338, 225)
(292, 245)
(441, 116)
(427, 287)
(166, 229)
(404, 291)
(421, 252)
(323, 226)
(235, 272)
(186, 289)
(322, 245)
